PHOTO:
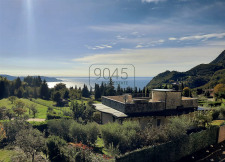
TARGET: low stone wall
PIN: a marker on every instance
(114, 104)
(190, 103)
(221, 136)
(144, 107)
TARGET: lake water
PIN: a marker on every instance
(139, 82)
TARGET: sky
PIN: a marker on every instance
(65, 37)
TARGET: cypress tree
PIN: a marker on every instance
(97, 92)
(18, 83)
(44, 91)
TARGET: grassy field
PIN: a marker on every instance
(42, 110)
(5, 155)
(218, 122)
(41, 105)
(51, 104)
(6, 103)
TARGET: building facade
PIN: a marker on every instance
(163, 104)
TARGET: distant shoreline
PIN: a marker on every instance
(139, 82)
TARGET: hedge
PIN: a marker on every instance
(41, 126)
(174, 150)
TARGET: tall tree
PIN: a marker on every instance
(2, 89)
(85, 92)
(97, 92)
(110, 91)
(30, 141)
(57, 98)
(219, 91)
(66, 94)
(34, 111)
(12, 99)
(187, 92)
(19, 92)
(38, 81)
(35, 93)
(118, 91)
(18, 83)
(77, 110)
(44, 91)
(59, 87)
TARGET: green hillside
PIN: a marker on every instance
(218, 77)
(220, 59)
(203, 75)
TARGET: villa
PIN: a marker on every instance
(163, 104)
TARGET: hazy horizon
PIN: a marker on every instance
(63, 38)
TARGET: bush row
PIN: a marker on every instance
(125, 137)
(72, 131)
(59, 150)
(174, 150)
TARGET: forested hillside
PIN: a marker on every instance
(203, 75)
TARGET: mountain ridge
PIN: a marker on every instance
(48, 79)
(197, 76)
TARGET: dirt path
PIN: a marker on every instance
(36, 119)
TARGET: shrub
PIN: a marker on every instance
(124, 136)
(58, 150)
(154, 135)
(13, 127)
(70, 130)
(78, 133)
(178, 126)
(215, 114)
(55, 148)
(203, 118)
(60, 128)
(92, 132)
(2, 133)
(53, 116)
(97, 117)
(87, 134)
(222, 111)
(68, 113)
(174, 150)
(30, 141)
(41, 126)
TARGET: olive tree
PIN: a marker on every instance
(30, 141)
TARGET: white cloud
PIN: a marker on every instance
(129, 28)
(172, 38)
(198, 37)
(103, 46)
(161, 41)
(139, 46)
(120, 37)
(152, 1)
(134, 33)
(149, 44)
(150, 62)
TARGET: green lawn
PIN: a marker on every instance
(5, 155)
(42, 110)
(44, 102)
(41, 105)
(49, 103)
(6, 103)
(218, 122)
